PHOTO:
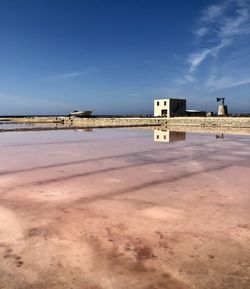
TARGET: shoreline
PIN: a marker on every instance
(234, 122)
(190, 129)
(234, 125)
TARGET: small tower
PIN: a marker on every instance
(222, 108)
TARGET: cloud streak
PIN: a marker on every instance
(197, 58)
(69, 75)
(225, 82)
(63, 76)
(224, 20)
(218, 27)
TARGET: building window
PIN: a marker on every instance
(165, 103)
(158, 103)
(157, 136)
(164, 137)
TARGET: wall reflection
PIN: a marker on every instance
(168, 136)
(87, 129)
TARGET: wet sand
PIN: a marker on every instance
(112, 209)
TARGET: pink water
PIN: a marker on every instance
(113, 208)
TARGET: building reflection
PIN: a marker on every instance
(168, 136)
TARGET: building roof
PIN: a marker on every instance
(170, 99)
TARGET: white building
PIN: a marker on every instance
(168, 136)
(169, 107)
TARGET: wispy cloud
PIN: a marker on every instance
(70, 75)
(216, 83)
(185, 79)
(197, 58)
(65, 76)
(201, 31)
(213, 12)
(150, 62)
(218, 27)
(224, 20)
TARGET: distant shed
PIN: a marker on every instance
(193, 112)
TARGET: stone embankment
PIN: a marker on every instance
(92, 122)
(207, 129)
(112, 122)
(99, 122)
(234, 122)
(34, 119)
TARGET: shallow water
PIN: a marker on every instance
(8, 125)
(18, 125)
(124, 208)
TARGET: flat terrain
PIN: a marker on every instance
(112, 209)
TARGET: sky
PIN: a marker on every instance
(116, 56)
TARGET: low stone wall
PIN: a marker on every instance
(237, 122)
(211, 129)
(112, 122)
(37, 119)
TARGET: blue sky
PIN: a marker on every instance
(116, 56)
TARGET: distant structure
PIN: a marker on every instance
(169, 107)
(168, 136)
(194, 112)
(222, 108)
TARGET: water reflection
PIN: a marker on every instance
(219, 136)
(168, 136)
(87, 129)
(33, 126)
(18, 126)
(13, 125)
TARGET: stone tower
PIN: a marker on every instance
(222, 108)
